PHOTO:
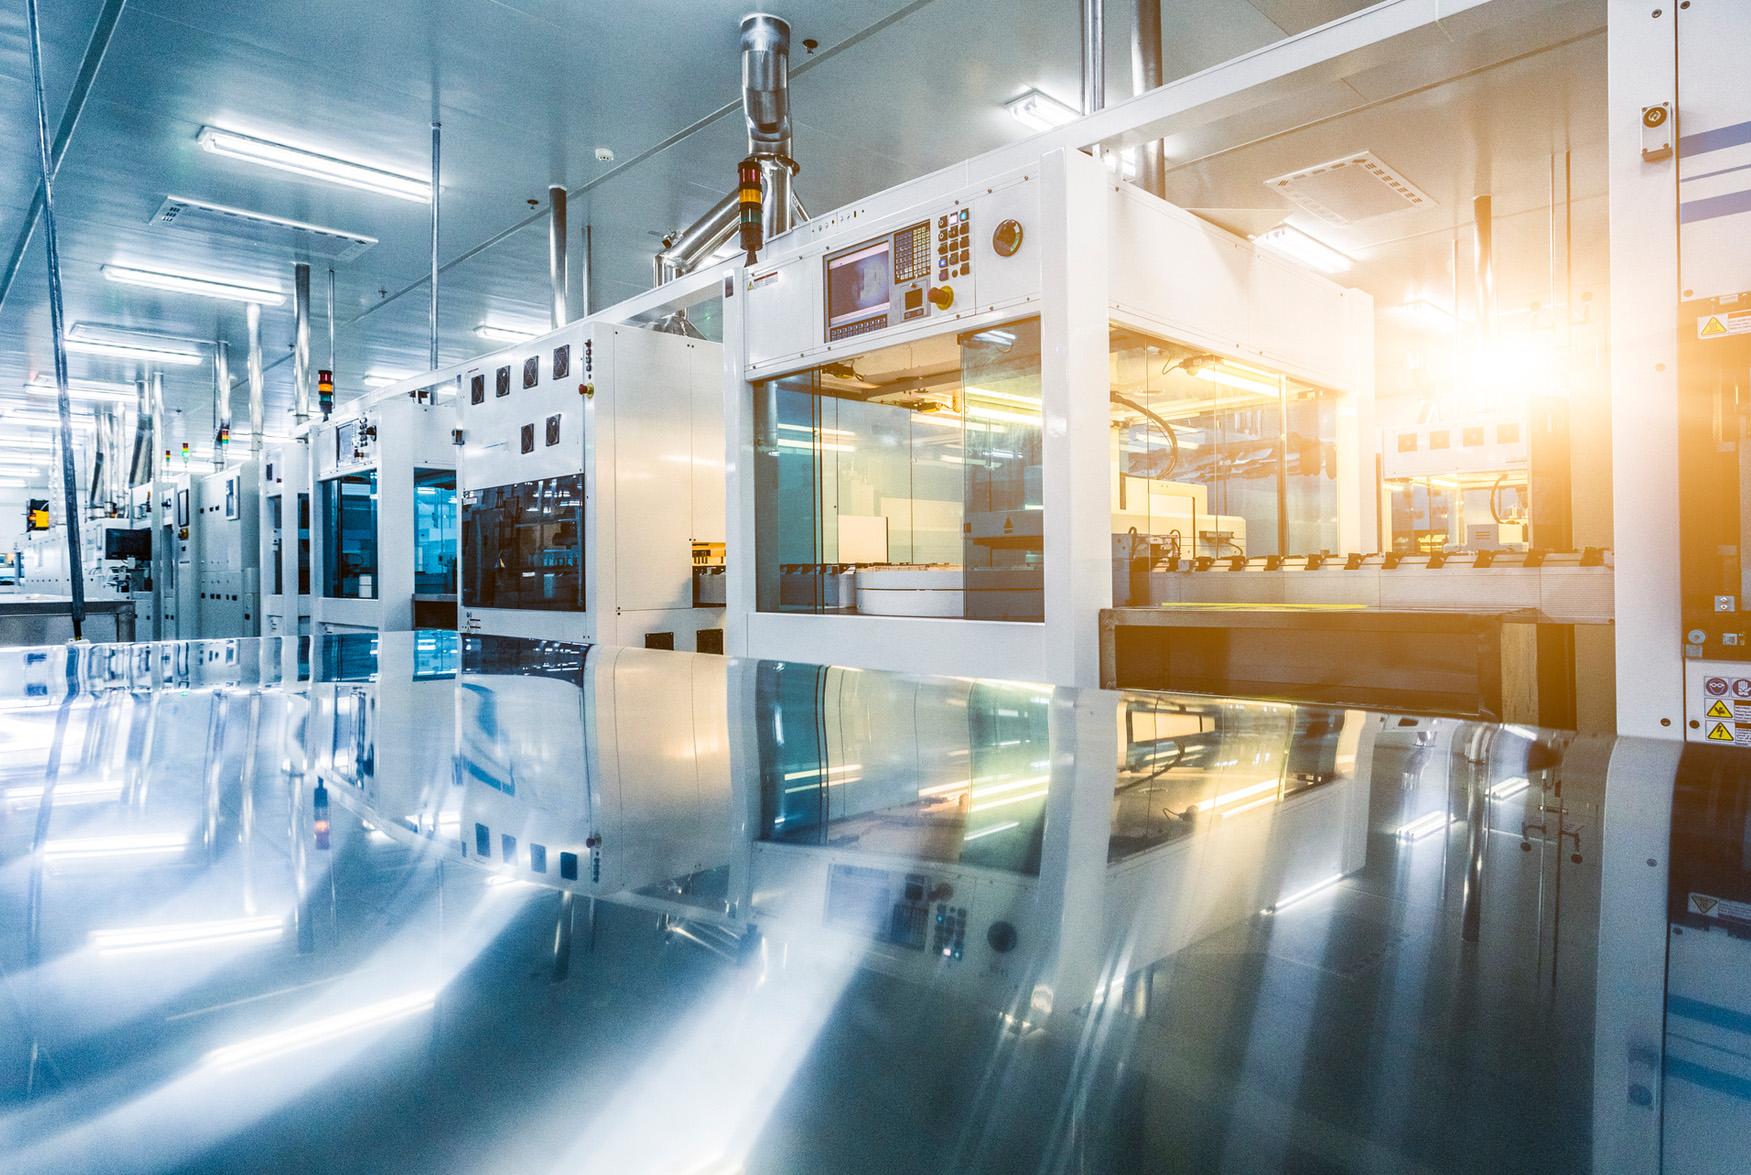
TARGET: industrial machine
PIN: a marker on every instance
(382, 498)
(284, 532)
(894, 367)
(592, 489)
(1463, 485)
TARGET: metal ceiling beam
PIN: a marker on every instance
(95, 48)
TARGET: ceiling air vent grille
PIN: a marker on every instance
(1354, 188)
(254, 228)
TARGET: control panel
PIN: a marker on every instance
(897, 278)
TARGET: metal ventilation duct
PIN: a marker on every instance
(766, 110)
(253, 228)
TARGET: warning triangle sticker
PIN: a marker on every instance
(1719, 732)
(1719, 710)
(1712, 327)
(1703, 904)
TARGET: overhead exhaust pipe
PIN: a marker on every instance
(556, 260)
(1094, 56)
(766, 111)
(300, 343)
(1146, 75)
(253, 312)
(140, 468)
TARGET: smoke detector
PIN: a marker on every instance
(1354, 188)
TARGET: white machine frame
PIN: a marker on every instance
(1092, 257)
(636, 414)
(410, 434)
(285, 474)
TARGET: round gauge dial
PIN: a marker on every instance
(1006, 239)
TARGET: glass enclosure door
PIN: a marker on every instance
(434, 532)
(525, 545)
(1215, 458)
(905, 481)
(349, 536)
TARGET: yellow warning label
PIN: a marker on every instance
(1719, 710)
(1703, 904)
(1720, 733)
(1714, 326)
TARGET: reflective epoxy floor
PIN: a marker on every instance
(270, 906)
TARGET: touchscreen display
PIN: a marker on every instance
(857, 284)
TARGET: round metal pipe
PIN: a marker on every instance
(1146, 75)
(434, 312)
(1484, 268)
(255, 378)
(556, 262)
(300, 342)
(222, 409)
(1094, 56)
(69, 475)
(766, 109)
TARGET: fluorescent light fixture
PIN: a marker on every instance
(1040, 112)
(177, 936)
(978, 413)
(825, 432)
(131, 344)
(1509, 788)
(303, 1036)
(828, 446)
(1316, 887)
(44, 418)
(84, 389)
(126, 845)
(504, 334)
(66, 794)
(1270, 785)
(1217, 375)
(1429, 314)
(1028, 401)
(13, 483)
(309, 163)
(185, 284)
(1289, 241)
(1425, 825)
(378, 379)
(120, 351)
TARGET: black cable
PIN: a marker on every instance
(1172, 437)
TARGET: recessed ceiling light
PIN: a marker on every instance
(1040, 111)
(322, 167)
(126, 351)
(1289, 241)
(504, 334)
(604, 155)
(184, 284)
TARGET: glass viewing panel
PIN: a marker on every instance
(349, 536)
(1214, 457)
(905, 481)
(525, 545)
(303, 544)
(434, 532)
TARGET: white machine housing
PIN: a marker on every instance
(1094, 252)
(285, 481)
(395, 434)
(638, 415)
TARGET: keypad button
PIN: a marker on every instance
(966, 269)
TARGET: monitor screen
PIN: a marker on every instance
(119, 543)
(857, 284)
